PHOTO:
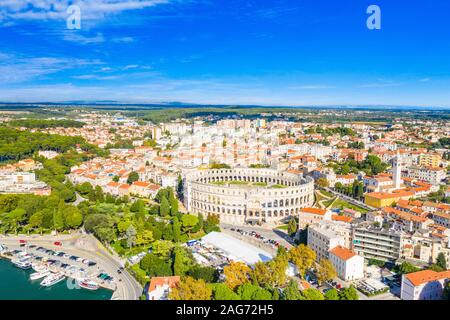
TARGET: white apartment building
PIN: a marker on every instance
(326, 235)
(433, 175)
(22, 182)
(349, 266)
(424, 285)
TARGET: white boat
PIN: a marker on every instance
(87, 284)
(24, 264)
(53, 279)
(39, 275)
(39, 267)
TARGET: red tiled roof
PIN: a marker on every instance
(314, 211)
(425, 276)
(342, 253)
(160, 281)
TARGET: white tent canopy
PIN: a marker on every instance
(236, 249)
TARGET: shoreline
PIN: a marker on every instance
(66, 273)
(124, 286)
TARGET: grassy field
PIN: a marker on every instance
(341, 204)
(326, 193)
(246, 183)
(277, 186)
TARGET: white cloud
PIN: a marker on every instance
(54, 10)
(123, 40)
(16, 69)
(381, 83)
(131, 66)
(82, 39)
(425, 80)
(94, 77)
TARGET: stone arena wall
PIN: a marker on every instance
(239, 204)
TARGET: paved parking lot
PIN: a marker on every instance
(276, 235)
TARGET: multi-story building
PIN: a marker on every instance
(308, 216)
(22, 182)
(377, 243)
(326, 235)
(424, 285)
(430, 159)
(433, 175)
(348, 265)
(385, 199)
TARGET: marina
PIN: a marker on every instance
(16, 285)
(45, 269)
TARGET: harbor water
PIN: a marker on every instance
(15, 284)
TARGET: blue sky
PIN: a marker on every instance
(268, 52)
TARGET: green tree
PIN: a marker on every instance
(262, 294)
(349, 293)
(176, 229)
(291, 292)
(167, 233)
(164, 208)
(212, 223)
(72, 217)
(407, 267)
(322, 182)
(132, 177)
(209, 274)
(156, 266)
(188, 221)
(137, 206)
(325, 271)
(312, 294)
(200, 224)
(236, 274)
(222, 292)
(58, 219)
(332, 294)
(17, 216)
(144, 238)
(84, 189)
(173, 201)
(303, 257)
(191, 289)
(247, 290)
(162, 248)
(292, 227)
(441, 261)
(182, 262)
(36, 220)
(446, 292)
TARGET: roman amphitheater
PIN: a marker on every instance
(247, 195)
